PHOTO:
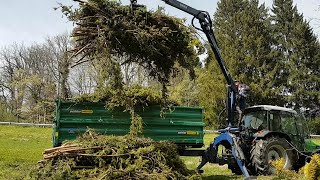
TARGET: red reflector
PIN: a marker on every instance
(260, 132)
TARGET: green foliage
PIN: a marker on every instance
(284, 173)
(5, 115)
(40, 99)
(310, 171)
(118, 157)
(297, 50)
(151, 39)
(21, 152)
(314, 125)
(245, 49)
(212, 87)
(183, 90)
(130, 98)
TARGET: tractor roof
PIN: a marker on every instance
(269, 108)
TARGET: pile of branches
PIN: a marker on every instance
(135, 96)
(95, 156)
(151, 39)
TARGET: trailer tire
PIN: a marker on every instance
(266, 150)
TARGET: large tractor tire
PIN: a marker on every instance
(266, 150)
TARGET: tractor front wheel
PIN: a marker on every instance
(266, 150)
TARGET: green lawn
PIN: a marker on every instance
(21, 148)
(317, 140)
(211, 171)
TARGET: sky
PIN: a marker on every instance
(29, 21)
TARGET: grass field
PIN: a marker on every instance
(21, 148)
(211, 171)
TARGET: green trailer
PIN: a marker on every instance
(182, 125)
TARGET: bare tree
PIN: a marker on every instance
(33, 76)
(59, 61)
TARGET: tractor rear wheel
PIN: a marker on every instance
(266, 150)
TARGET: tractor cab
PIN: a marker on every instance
(265, 120)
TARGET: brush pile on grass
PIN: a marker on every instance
(95, 156)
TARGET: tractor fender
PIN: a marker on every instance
(266, 134)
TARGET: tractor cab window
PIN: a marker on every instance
(302, 126)
(255, 120)
(288, 123)
(275, 123)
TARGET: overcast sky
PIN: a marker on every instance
(27, 21)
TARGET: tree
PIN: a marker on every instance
(82, 79)
(59, 62)
(13, 72)
(211, 91)
(183, 90)
(298, 52)
(150, 39)
(243, 34)
(30, 77)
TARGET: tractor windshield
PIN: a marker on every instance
(255, 120)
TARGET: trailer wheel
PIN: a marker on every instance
(265, 151)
